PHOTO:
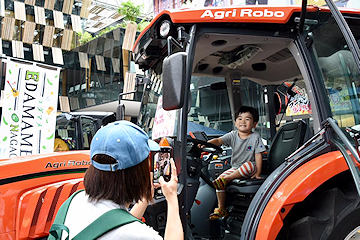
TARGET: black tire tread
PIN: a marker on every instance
(321, 212)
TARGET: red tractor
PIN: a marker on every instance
(298, 65)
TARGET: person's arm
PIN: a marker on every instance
(139, 208)
(258, 162)
(173, 229)
(216, 141)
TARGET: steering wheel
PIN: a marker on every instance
(207, 144)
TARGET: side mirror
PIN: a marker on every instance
(174, 80)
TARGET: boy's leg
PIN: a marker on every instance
(246, 170)
(221, 196)
(221, 181)
(219, 212)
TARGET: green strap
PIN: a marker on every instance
(58, 225)
(56, 231)
(106, 222)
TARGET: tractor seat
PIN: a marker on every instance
(288, 138)
(244, 186)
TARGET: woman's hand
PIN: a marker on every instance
(173, 229)
(169, 189)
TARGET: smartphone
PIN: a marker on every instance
(161, 164)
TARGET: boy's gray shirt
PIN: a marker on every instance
(243, 150)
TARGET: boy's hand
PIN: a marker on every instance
(256, 176)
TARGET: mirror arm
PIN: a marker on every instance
(181, 39)
(182, 35)
(139, 81)
(172, 41)
(126, 93)
(302, 15)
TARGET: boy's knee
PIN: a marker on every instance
(247, 169)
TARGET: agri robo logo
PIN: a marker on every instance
(250, 13)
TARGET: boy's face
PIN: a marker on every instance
(245, 122)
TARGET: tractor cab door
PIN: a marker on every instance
(329, 41)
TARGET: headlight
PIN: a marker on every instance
(165, 27)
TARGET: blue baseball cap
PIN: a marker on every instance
(124, 141)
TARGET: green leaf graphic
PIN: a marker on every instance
(56, 76)
(49, 82)
(48, 138)
(4, 139)
(44, 147)
(14, 117)
(9, 71)
(10, 109)
(47, 121)
(4, 121)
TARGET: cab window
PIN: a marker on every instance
(88, 131)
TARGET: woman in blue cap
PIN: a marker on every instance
(119, 175)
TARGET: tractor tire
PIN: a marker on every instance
(331, 212)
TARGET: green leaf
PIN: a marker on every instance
(56, 76)
(9, 71)
(14, 117)
(4, 121)
(48, 138)
(49, 81)
(4, 139)
(44, 147)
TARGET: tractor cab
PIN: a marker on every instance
(78, 128)
(297, 65)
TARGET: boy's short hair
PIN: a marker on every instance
(251, 110)
(122, 187)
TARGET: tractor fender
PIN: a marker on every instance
(37, 208)
(295, 188)
(32, 188)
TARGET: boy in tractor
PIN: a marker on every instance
(246, 159)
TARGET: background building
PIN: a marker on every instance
(94, 75)
(51, 32)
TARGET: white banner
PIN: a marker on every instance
(165, 121)
(29, 110)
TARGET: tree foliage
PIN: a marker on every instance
(129, 10)
(108, 29)
(84, 37)
(142, 25)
